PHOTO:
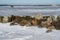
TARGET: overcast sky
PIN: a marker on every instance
(29, 1)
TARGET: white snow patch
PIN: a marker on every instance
(17, 32)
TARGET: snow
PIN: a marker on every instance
(29, 12)
(17, 32)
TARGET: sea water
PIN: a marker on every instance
(29, 10)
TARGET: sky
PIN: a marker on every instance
(30, 2)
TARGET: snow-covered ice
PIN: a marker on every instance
(17, 32)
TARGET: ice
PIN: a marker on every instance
(17, 32)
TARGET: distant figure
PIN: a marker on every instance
(12, 6)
